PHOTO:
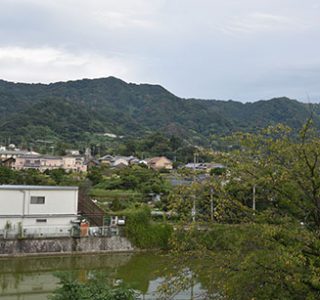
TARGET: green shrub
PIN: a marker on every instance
(93, 289)
(145, 234)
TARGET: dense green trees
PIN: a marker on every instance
(248, 261)
(267, 203)
(285, 170)
(138, 180)
(258, 222)
(276, 169)
(82, 111)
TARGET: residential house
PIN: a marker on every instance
(106, 160)
(92, 163)
(40, 163)
(47, 162)
(74, 163)
(159, 163)
(118, 161)
(38, 210)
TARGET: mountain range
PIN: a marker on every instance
(71, 111)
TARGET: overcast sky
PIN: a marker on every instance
(215, 49)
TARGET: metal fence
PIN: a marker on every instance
(59, 231)
(106, 231)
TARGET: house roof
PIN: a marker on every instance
(37, 187)
(126, 158)
(20, 152)
(156, 159)
(107, 157)
(32, 156)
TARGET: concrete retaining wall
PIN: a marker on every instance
(64, 245)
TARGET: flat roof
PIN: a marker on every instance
(37, 187)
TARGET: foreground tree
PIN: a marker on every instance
(283, 169)
(268, 202)
(95, 288)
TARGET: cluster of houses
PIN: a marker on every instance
(156, 163)
(19, 160)
(55, 210)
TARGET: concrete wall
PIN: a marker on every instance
(64, 245)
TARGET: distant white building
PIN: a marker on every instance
(38, 210)
(47, 162)
(72, 152)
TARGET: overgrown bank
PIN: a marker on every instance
(260, 259)
(145, 234)
(255, 261)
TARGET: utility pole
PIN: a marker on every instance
(254, 198)
(193, 211)
(211, 203)
(191, 288)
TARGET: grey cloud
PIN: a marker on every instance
(245, 50)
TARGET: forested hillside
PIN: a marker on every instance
(72, 111)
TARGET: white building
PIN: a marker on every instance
(47, 162)
(38, 210)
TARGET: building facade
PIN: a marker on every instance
(38, 210)
(46, 162)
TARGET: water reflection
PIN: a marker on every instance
(34, 278)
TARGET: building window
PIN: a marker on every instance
(37, 200)
(41, 220)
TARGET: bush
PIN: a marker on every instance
(142, 233)
(93, 289)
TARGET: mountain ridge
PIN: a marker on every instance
(72, 110)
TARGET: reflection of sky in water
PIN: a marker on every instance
(182, 295)
(38, 286)
(29, 286)
(34, 279)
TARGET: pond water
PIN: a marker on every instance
(34, 278)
